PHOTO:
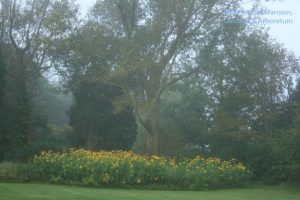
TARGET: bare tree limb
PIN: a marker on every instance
(37, 34)
(11, 22)
(181, 77)
(128, 21)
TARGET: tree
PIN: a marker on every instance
(96, 123)
(28, 32)
(154, 44)
(282, 155)
(186, 111)
(249, 77)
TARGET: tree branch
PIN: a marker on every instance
(128, 21)
(12, 11)
(180, 77)
(179, 37)
(37, 34)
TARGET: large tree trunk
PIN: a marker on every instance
(153, 114)
(153, 143)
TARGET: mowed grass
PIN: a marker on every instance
(11, 191)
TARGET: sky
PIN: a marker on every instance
(287, 34)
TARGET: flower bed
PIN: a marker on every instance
(126, 169)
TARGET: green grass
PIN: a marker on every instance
(11, 191)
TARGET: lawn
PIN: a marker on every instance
(10, 191)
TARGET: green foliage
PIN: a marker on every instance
(276, 160)
(248, 76)
(8, 171)
(25, 130)
(25, 43)
(284, 150)
(96, 123)
(19, 121)
(184, 119)
(125, 169)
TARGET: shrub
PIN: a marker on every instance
(126, 169)
(8, 171)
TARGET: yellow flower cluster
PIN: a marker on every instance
(119, 168)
